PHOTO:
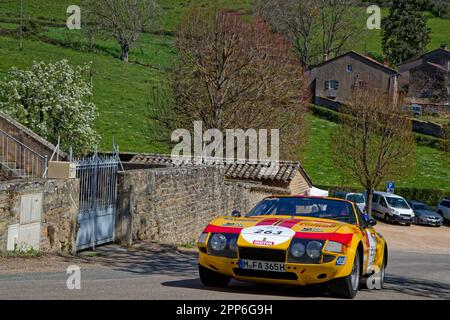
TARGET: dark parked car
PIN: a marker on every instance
(424, 214)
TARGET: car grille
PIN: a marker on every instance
(265, 274)
(405, 216)
(262, 254)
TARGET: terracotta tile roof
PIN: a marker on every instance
(247, 170)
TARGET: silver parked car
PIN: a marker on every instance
(424, 214)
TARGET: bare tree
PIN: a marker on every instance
(237, 74)
(123, 19)
(315, 27)
(375, 141)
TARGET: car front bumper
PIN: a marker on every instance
(401, 219)
(294, 274)
(430, 222)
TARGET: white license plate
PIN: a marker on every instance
(261, 265)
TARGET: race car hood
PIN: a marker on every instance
(277, 231)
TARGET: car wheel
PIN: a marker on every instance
(348, 286)
(387, 218)
(210, 278)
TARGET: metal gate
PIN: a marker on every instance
(98, 193)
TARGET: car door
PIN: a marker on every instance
(375, 205)
(383, 209)
(369, 240)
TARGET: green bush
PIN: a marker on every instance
(325, 113)
(429, 196)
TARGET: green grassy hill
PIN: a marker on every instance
(121, 90)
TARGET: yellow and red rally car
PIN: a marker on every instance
(295, 240)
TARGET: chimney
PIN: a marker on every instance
(444, 46)
(386, 61)
(325, 57)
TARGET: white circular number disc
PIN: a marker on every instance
(267, 235)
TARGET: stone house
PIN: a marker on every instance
(331, 81)
(427, 78)
(288, 175)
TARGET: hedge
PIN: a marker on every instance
(429, 196)
(421, 139)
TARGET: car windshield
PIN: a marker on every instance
(421, 206)
(397, 203)
(356, 198)
(306, 207)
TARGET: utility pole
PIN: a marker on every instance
(21, 25)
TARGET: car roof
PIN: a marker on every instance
(387, 194)
(308, 197)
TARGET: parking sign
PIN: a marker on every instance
(390, 187)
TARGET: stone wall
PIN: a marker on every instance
(59, 211)
(173, 205)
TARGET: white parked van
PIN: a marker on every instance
(391, 208)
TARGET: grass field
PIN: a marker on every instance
(121, 90)
(431, 169)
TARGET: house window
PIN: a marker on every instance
(331, 84)
(349, 68)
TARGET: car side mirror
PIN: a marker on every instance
(371, 222)
(236, 213)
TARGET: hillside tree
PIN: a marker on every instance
(374, 143)
(405, 34)
(235, 74)
(124, 20)
(315, 27)
(53, 100)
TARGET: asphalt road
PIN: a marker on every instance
(147, 274)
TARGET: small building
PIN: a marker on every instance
(427, 78)
(288, 174)
(332, 81)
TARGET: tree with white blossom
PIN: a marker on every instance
(54, 100)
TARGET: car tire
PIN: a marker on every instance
(347, 287)
(210, 278)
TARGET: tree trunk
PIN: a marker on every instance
(125, 51)
(369, 192)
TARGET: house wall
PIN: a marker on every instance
(429, 82)
(58, 225)
(337, 70)
(299, 185)
(173, 205)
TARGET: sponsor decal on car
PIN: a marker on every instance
(263, 242)
(312, 230)
(340, 261)
(232, 224)
(267, 235)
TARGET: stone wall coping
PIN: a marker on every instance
(30, 133)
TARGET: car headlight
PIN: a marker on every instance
(314, 249)
(395, 211)
(305, 251)
(218, 242)
(298, 250)
(202, 238)
(223, 245)
(333, 246)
